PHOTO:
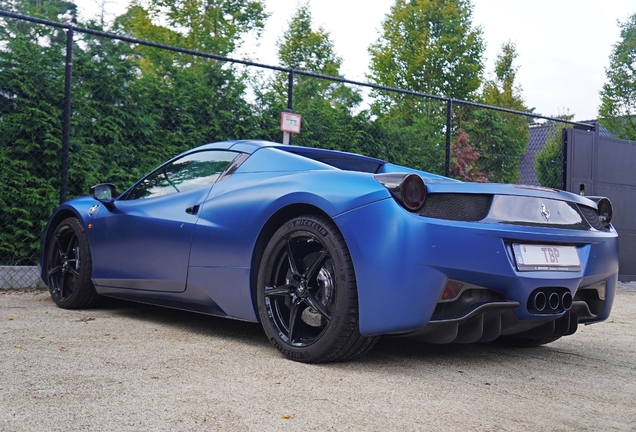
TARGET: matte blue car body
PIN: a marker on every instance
(404, 293)
(206, 262)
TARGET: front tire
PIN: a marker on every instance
(69, 266)
(307, 295)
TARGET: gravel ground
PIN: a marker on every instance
(134, 367)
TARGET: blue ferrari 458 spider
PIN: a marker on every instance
(330, 250)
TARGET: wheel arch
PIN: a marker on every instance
(277, 220)
(54, 222)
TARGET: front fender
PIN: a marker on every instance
(79, 208)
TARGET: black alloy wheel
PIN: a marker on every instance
(307, 294)
(69, 267)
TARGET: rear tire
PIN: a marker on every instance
(69, 267)
(307, 295)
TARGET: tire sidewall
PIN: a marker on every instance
(335, 331)
(83, 281)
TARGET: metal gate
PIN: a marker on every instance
(599, 165)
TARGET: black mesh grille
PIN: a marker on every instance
(458, 207)
(592, 218)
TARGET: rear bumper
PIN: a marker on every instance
(403, 261)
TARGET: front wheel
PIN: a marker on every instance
(307, 295)
(69, 267)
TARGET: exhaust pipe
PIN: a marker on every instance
(539, 301)
(554, 301)
(550, 300)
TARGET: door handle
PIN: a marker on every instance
(193, 210)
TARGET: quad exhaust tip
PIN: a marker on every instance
(539, 301)
(550, 301)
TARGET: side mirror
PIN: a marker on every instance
(104, 192)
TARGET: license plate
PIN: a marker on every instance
(546, 257)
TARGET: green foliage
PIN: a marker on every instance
(327, 107)
(428, 46)
(502, 90)
(548, 163)
(500, 138)
(133, 107)
(31, 86)
(47, 9)
(191, 100)
(111, 114)
(413, 136)
(618, 96)
(301, 47)
(210, 26)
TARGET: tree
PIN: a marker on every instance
(303, 48)
(463, 157)
(548, 163)
(500, 138)
(211, 26)
(31, 100)
(618, 96)
(502, 90)
(112, 122)
(428, 46)
(47, 9)
(192, 99)
(131, 109)
(327, 106)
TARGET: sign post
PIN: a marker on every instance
(289, 124)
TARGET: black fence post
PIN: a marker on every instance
(66, 116)
(287, 137)
(564, 160)
(290, 91)
(449, 114)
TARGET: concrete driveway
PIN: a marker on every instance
(134, 367)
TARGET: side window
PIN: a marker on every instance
(189, 172)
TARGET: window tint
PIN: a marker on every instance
(189, 172)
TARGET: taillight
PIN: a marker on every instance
(604, 211)
(452, 290)
(407, 188)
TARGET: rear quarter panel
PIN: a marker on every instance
(230, 233)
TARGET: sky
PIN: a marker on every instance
(563, 46)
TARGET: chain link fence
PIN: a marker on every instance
(79, 106)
